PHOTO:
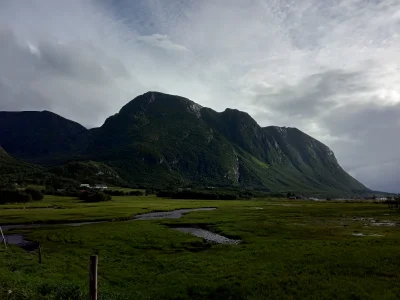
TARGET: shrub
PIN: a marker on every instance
(49, 190)
(165, 194)
(99, 197)
(35, 193)
(114, 193)
(393, 204)
(203, 195)
(84, 195)
(14, 196)
(277, 195)
(135, 193)
(94, 197)
(149, 192)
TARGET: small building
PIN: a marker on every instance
(100, 187)
(85, 185)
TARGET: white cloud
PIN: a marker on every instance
(329, 68)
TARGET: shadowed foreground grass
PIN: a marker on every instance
(288, 252)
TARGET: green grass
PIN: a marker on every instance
(259, 162)
(55, 209)
(125, 190)
(288, 252)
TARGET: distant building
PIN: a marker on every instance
(100, 187)
(85, 185)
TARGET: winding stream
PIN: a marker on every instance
(19, 240)
(208, 235)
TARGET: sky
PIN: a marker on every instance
(330, 68)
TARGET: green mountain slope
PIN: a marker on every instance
(165, 140)
(10, 167)
(88, 172)
(160, 139)
(39, 137)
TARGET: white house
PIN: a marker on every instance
(100, 187)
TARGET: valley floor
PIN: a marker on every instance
(289, 250)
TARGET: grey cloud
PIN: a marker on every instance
(374, 131)
(161, 41)
(69, 62)
(76, 81)
(359, 118)
(15, 99)
(315, 94)
(80, 62)
(381, 176)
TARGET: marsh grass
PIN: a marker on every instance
(288, 252)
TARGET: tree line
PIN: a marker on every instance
(394, 203)
(20, 195)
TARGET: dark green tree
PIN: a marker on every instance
(35, 193)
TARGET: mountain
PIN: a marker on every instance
(13, 167)
(165, 140)
(159, 138)
(40, 137)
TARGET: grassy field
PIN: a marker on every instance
(55, 209)
(125, 190)
(290, 250)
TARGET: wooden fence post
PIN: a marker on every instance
(40, 254)
(93, 277)
(4, 238)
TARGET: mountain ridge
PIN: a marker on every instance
(171, 140)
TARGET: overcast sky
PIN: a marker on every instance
(330, 68)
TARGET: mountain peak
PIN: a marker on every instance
(162, 103)
(236, 117)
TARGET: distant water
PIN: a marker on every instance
(19, 240)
